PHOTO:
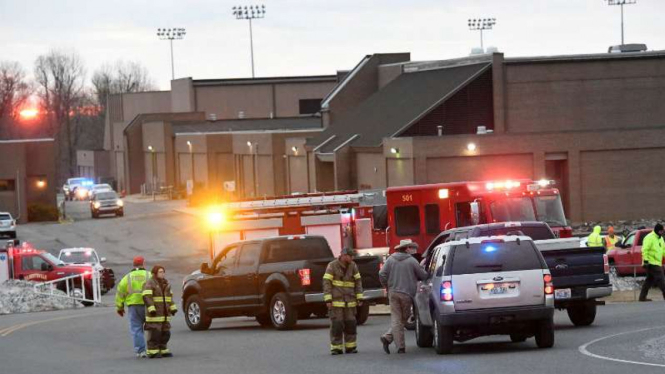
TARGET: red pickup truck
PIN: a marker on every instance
(626, 257)
(31, 264)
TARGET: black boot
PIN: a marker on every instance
(336, 352)
(386, 344)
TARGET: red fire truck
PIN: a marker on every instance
(420, 213)
(379, 220)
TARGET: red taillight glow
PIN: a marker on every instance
(447, 291)
(380, 265)
(566, 233)
(549, 287)
(606, 264)
(305, 278)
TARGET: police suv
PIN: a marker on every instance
(496, 285)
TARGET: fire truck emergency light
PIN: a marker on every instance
(443, 193)
(502, 185)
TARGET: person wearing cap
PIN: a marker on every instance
(159, 307)
(400, 275)
(652, 260)
(611, 239)
(343, 292)
(130, 293)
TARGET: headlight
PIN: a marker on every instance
(120, 203)
(81, 192)
(97, 204)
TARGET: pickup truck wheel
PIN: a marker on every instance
(517, 337)
(545, 333)
(282, 314)
(443, 338)
(362, 314)
(583, 314)
(195, 314)
(263, 319)
(424, 336)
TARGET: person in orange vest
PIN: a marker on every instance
(611, 239)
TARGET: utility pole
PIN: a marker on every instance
(250, 13)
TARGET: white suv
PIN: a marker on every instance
(7, 225)
(498, 285)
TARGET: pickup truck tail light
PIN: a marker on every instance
(549, 287)
(606, 264)
(305, 278)
(446, 291)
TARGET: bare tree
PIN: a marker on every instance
(14, 89)
(60, 77)
(120, 77)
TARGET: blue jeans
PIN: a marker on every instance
(136, 315)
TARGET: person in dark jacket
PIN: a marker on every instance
(400, 275)
(653, 247)
(159, 307)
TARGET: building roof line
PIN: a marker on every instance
(326, 100)
(264, 80)
(281, 131)
(442, 100)
(324, 143)
(584, 57)
(351, 139)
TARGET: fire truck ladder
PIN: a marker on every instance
(294, 202)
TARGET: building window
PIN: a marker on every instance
(310, 106)
(407, 220)
(7, 185)
(432, 225)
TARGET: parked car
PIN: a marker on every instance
(7, 225)
(99, 188)
(580, 275)
(485, 286)
(106, 202)
(89, 257)
(278, 280)
(626, 257)
(76, 188)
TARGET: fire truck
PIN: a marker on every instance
(420, 213)
(379, 220)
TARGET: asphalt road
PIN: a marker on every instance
(95, 340)
(625, 337)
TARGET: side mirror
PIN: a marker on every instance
(47, 267)
(102, 260)
(205, 269)
(475, 212)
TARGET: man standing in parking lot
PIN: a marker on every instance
(342, 292)
(400, 275)
(652, 259)
(130, 292)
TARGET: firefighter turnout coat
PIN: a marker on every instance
(342, 285)
(159, 304)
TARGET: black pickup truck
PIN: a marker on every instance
(580, 274)
(278, 280)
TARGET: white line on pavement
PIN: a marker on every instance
(583, 348)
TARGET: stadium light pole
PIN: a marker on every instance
(249, 13)
(175, 33)
(481, 24)
(621, 3)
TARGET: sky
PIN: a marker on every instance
(311, 37)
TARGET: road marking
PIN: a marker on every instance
(583, 348)
(11, 329)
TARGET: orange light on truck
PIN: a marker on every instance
(443, 193)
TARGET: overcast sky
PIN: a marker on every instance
(307, 37)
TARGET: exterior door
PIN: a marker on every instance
(245, 276)
(35, 268)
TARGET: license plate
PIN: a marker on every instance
(498, 290)
(563, 293)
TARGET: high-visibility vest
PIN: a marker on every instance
(610, 242)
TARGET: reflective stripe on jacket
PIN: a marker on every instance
(652, 249)
(342, 285)
(130, 288)
(158, 304)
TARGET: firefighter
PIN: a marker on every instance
(595, 240)
(159, 308)
(130, 293)
(611, 239)
(652, 259)
(400, 275)
(342, 292)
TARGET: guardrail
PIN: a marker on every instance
(75, 288)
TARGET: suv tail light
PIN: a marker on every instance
(566, 233)
(305, 279)
(606, 264)
(549, 287)
(446, 291)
